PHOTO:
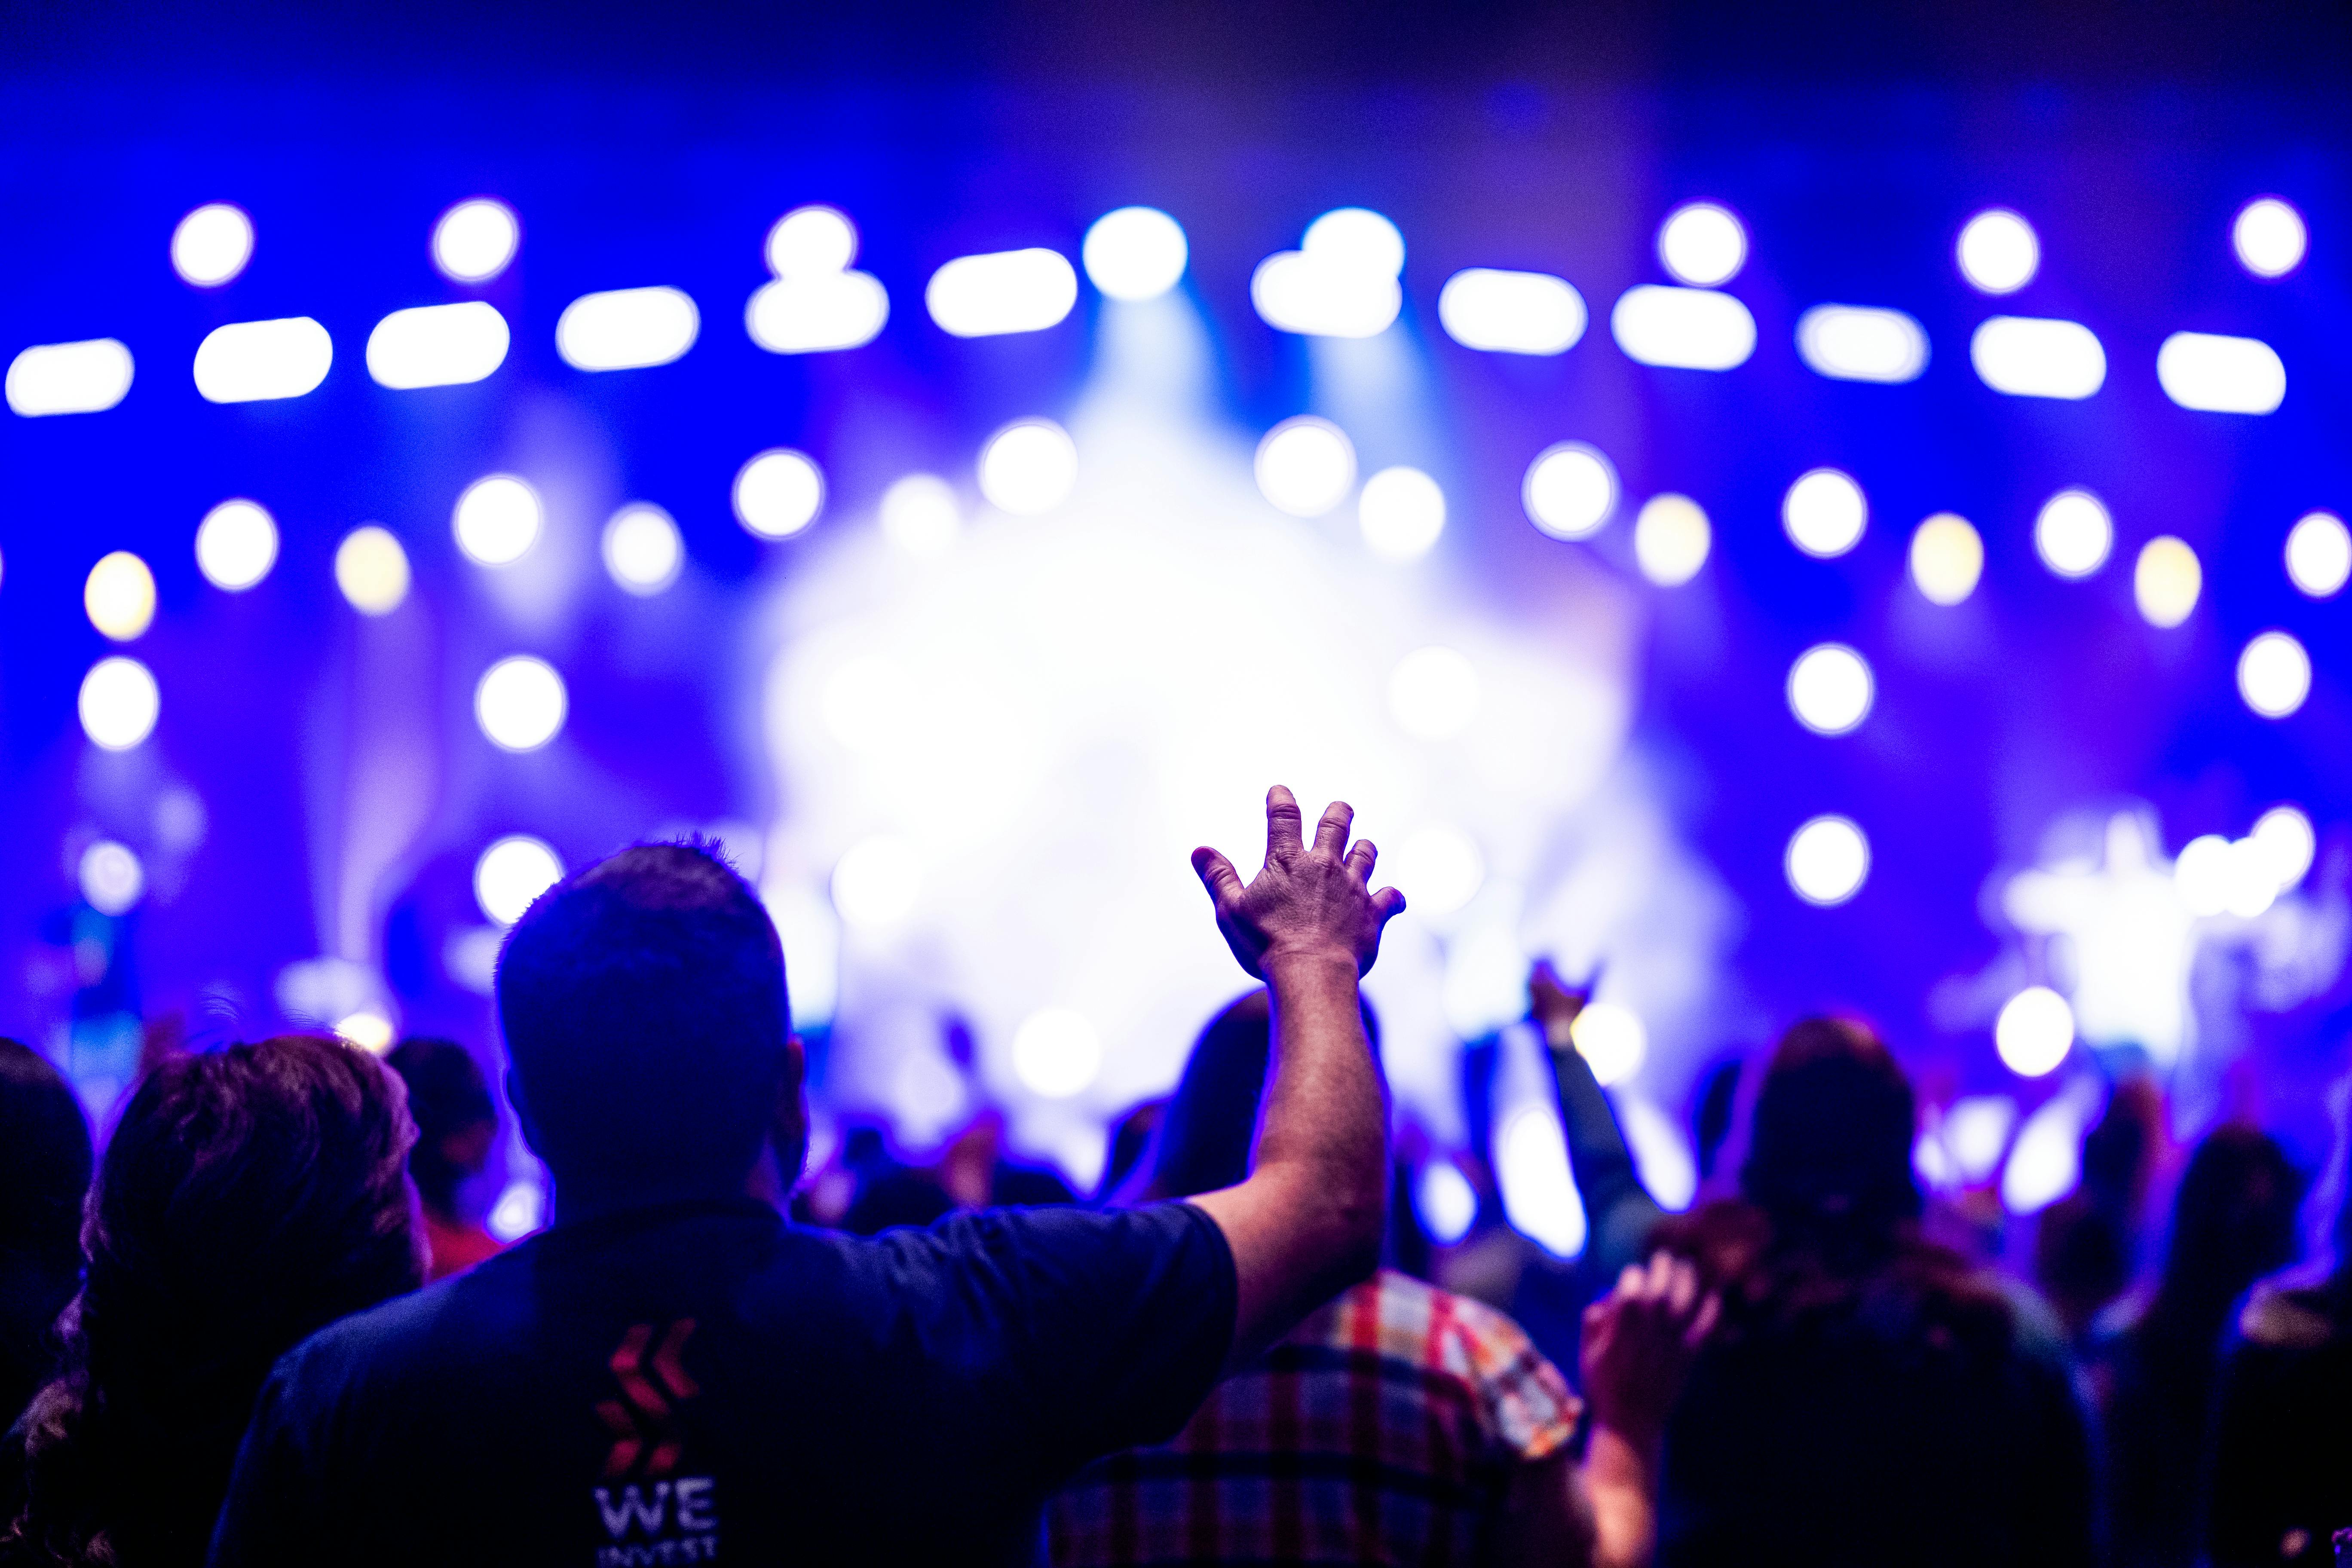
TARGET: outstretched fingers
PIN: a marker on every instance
(1360, 860)
(1282, 821)
(1331, 833)
(1217, 875)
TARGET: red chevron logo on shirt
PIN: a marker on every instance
(643, 1422)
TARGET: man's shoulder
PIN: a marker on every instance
(1453, 1350)
(1410, 1320)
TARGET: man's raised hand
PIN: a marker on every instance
(1309, 900)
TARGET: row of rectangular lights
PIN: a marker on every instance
(1343, 281)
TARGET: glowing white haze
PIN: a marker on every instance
(996, 772)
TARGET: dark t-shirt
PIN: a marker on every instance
(704, 1383)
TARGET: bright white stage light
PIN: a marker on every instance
(1511, 312)
(920, 517)
(817, 314)
(237, 544)
(1357, 239)
(1824, 513)
(627, 329)
(2284, 843)
(2209, 876)
(255, 362)
(2274, 675)
(367, 1029)
(474, 241)
(778, 493)
(1998, 252)
(1029, 467)
(2221, 374)
(512, 873)
(2031, 356)
(1702, 244)
(520, 703)
(876, 882)
(817, 304)
(1003, 291)
(2034, 1031)
(1305, 466)
(1446, 1201)
(1341, 283)
(1947, 559)
(119, 703)
(1401, 511)
(371, 570)
(438, 345)
(2269, 237)
(1539, 1192)
(497, 519)
(1570, 490)
(2319, 554)
(1057, 1053)
(2045, 1163)
(212, 245)
(1433, 693)
(642, 551)
(118, 596)
(1611, 1040)
(1827, 861)
(1671, 539)
(112, 878)
(2073, 533)
(2201, 874)
(1439, 869)
(1862, 343)
(1686, 328)
(1831, 689)
(2166, 580)
(811, 241)
(87, 377)
(1134, 253)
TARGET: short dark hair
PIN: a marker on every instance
(644, 1010)
(248, 1197)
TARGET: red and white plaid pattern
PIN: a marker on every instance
(1384, 1431)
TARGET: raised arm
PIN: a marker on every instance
(1619, 1209)
(1306, 1222)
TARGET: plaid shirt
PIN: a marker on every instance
(1384, 1431)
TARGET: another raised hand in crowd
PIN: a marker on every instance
(1639, 1346)
(1620, 1216)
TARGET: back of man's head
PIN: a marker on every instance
(644, 1009)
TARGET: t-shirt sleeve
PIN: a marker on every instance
(273, 1513)
(1524, 1402)
(1113, 1326)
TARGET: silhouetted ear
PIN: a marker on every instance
(788, 1124)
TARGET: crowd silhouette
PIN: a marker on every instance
(268, 1327)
